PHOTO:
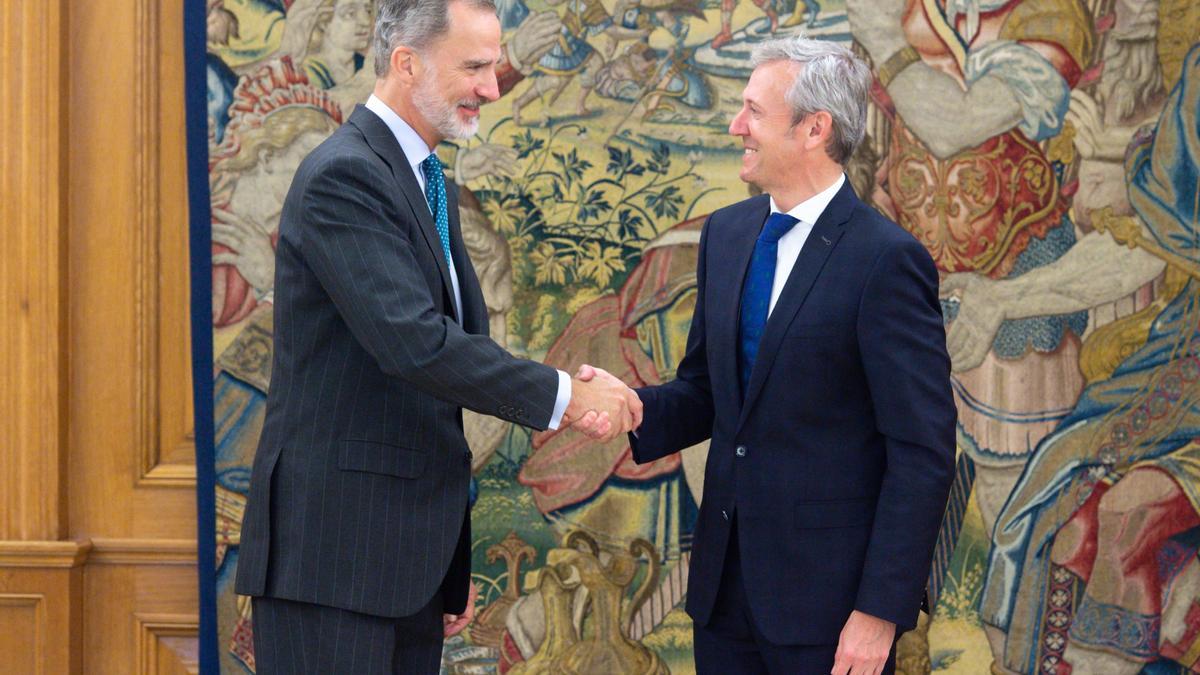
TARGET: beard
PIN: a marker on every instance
(443, 114)
(1132, 77)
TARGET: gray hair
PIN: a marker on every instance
(833, 79)
(1132, 77)
(412, 23)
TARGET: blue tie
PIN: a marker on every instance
(435, 194)
(756, 292)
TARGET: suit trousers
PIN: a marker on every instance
(302, 638)
(732, 644)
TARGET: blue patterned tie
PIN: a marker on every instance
(756, 292)
(435, 194)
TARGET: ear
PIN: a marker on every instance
(818, 128)
(404, 63)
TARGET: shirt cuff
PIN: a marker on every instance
(564, 398)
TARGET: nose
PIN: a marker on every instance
(737, 126)
(489, 89)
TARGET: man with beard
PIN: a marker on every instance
(356, 539)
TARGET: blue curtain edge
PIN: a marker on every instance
(200, 248)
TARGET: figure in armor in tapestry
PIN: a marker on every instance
(973, 87)
(648, 78)
(571, 58)
(1094, 560)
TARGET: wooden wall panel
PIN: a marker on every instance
(41, 607)
(131, 383)
(98, 570)
(166, 644)
(22, 631)
(131, 608)
(164, 352)
(32, 244)
(132, 468)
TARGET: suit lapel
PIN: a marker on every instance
(468, 283)
(384, 143)
(817, 248)
(735, 253)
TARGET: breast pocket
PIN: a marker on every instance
(381, 458)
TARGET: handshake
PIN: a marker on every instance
(601, 406)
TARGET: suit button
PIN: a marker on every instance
(740, 451)
(724, 514)
(520, 412)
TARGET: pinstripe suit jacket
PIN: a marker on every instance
(358, 493)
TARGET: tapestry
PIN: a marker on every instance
(1046, 152)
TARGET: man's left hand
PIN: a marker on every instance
(452, 624)
(864, 645)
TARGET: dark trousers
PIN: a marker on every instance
(731, 643)
(302, 638)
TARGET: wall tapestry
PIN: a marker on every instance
(1065, 227)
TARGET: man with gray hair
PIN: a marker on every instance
(816, 363)
(356, 538)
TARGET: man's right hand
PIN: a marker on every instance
(601, 406)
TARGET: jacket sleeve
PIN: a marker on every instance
(679, 414)
(903, 345)
(362, 252)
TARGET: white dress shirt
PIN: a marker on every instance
(807, 212)
(415, 151)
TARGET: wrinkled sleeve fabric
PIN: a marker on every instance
(903, 346)
(362, 252)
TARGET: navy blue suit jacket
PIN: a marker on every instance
(838, 462)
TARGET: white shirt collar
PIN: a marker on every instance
(415, 150)
(809, 210)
